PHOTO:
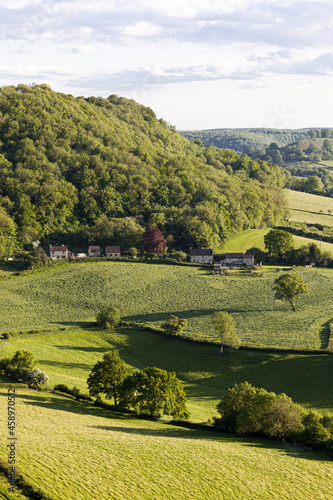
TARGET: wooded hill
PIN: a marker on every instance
(99, 170)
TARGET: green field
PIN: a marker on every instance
(309, 208)
(69, 357)
(78, 452)
(72, 294)
(255, 238)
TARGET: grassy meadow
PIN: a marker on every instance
(72, 294)
(68, 358)
(121, 457)
(255, 238)
(309, 208)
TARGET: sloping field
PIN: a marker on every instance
(255, 238)
(72, 294)
(78, 452)
(69, 357)
(309, 208)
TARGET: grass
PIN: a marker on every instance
(123, 457)
(255, 238)
(71, 295)
(69, 357)
(309, 208)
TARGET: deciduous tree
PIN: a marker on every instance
(173, 325)
(278, 243)
(225, 327)
(154, 391)
(288, 287)
(107, 376)
(153, 240)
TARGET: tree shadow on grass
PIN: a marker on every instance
(324, 334)
(83, 325)
(62, 364)
(84, 348)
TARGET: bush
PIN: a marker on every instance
(108, 317)
(314, 433)
(6, 336)
(251, 410)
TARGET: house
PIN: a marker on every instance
(94, 251)
(201, 255)
(113, 252)
(59, 252)
(238, 259)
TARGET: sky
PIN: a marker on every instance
(199, 64)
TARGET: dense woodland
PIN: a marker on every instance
(94, 170)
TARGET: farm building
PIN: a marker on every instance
(202, 255)
(94, 251)
(238, 259)
(59, 252)
(113, 252)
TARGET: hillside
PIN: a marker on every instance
(72, 294)
(76, 169)
(121, 457)
(241, 139)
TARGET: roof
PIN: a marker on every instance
(60, 248)
(234, 255)
(201, 252)
(248, 256)
(115, 249)
(93, 248)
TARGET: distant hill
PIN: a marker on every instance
(241, 139)
(80, 170)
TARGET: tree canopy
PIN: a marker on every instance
(154, 392)
(107, 376)
(278, 243)
(288, 287)
(225, 327)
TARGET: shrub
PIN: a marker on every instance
(6, 336)
(314, 433)
(108, 317)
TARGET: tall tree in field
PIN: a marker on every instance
(288, 287)
(154, 391)
(225, 327)
(278, 243)
(153, 240)
(107, 376)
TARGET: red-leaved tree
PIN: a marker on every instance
(153, 240)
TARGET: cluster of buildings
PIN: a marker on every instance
(197, 255)
(205, 256)
(62, 252)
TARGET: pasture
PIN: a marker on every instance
(69, 357)
(255, 238)
(309, 208)
(121, 457)
(71, 295)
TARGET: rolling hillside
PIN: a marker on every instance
(72, 294)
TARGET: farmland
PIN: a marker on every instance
(72, 294)
(255, 238)
(123, 457)
(68, 358)
(310, 208)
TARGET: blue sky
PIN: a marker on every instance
(199, 64)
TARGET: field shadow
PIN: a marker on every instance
(82, 366)
(324, 334)
(309, 211)
(83, 348)
(83, 325)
